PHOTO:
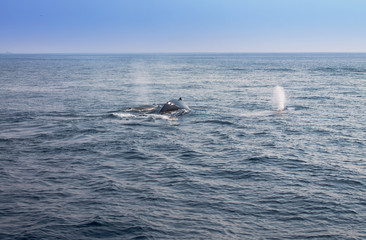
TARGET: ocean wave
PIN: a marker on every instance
(216, 121)
(340, 69)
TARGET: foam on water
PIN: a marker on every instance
(160, 116)
(124, 115)
(154, 116)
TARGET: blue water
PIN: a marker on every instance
(77, 163)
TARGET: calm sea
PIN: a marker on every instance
(77, 163)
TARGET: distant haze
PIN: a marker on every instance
(149, 26)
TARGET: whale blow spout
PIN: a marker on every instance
(279, 98)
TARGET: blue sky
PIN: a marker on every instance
(153, 26)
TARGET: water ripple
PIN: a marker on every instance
(78, 163)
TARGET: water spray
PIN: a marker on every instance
(279, 98)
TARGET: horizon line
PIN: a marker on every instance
(203, 52)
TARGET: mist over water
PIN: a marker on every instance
(140, 82)
(81, 159)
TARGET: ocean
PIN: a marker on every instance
(273, 146)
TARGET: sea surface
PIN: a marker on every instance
(76, 162)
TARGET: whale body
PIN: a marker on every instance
(174, 105)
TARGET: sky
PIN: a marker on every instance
(163, 26)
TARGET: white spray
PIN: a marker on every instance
(141, 80)
(279, 98)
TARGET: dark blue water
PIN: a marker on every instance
(76, 163)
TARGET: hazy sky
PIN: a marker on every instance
(125, 26)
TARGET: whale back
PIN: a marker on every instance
(173, 105)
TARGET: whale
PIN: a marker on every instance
(174, 105)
